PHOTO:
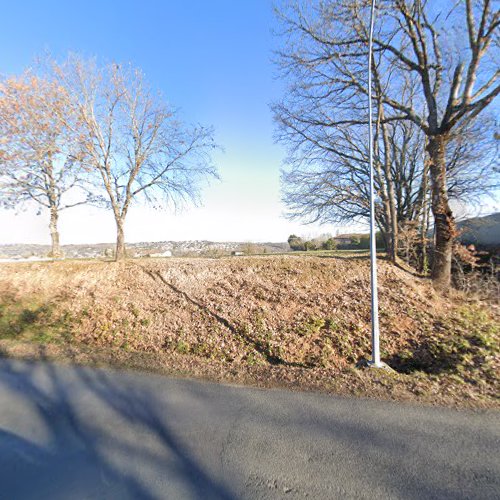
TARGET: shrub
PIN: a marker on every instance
(310, 245)
(329, 244)
(296, 243)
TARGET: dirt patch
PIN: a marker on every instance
(279, 320)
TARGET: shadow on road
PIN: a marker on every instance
(78, 455)
(127, 435)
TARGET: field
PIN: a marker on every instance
(297, 321)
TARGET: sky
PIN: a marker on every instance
(211, 59)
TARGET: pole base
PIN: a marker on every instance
(381, 365)
(365, 363)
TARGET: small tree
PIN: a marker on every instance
(296, 243)
(250, 248)
(136, 146)
(310, 245)
(329, 244)
(41, 148)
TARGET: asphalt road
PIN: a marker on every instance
(72, 432)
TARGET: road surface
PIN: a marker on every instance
(73, 432)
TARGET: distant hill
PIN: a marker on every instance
(481, 231)
(177, 248)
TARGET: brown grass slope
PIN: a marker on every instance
(301, 320)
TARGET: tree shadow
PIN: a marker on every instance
(344, 257)
(401, 447)
(18, 322)
(74, 432)
(234, 329)
(411, 271)
(73, 456)
(434, 355)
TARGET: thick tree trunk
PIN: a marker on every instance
(54, 234)
(120, 253)
(443, 216)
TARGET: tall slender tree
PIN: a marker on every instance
(135, 144)
(41, 148)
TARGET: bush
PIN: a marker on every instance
(329, 244)
(310, 245)
(296, 243)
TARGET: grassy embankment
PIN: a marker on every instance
(294, 320)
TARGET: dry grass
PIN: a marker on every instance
(287, 320)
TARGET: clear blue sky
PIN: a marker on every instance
(210, 58)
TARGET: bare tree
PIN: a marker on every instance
(422, 78)
(334, 188)
(40, 148)
(135, 144)
(452, 99)
(472, 161)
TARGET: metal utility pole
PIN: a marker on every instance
(375, 362)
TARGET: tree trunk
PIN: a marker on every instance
(387, 231)
(120, 253)
(394, 227)
(423, 214)
(443, 216)
(391, 208)
(424, 225)
(54, 234)
(387, 240)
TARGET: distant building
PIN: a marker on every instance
(235, 253)
(342, 240)
(166, 253)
